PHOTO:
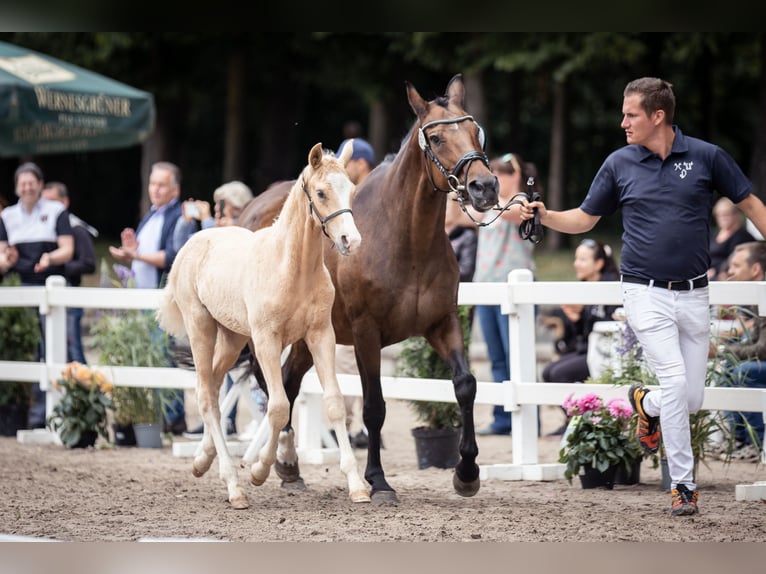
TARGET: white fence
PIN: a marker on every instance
(520, 395)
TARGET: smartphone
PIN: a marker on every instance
(191, 211)
(221, 205)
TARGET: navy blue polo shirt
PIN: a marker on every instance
(666, 204)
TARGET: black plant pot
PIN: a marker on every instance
(629, 477)
(124, 435)
(592, 478)
(12, 419)
(436, 447)
(87, 438)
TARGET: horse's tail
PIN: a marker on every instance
(169, 314)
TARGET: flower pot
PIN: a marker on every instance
(87, 438)
(12, 418)
(124, 435)
(666, 472)
(148, 435)
(629, 477)
(592, 478)
(436, 447)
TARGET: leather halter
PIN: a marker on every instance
(467, 159)
(314, 212)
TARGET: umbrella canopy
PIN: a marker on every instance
(48, 106)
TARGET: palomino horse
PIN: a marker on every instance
(229, 285)
(404, 280)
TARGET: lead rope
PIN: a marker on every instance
(532, 229)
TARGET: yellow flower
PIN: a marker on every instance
(81, 373)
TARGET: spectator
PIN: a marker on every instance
(149, 252)
(82, 263)
(748, 263)
(35, 242)
(463, 236)
(730, 233)
(593, 262)
(500, 249)
(229, 199)
(664, 261)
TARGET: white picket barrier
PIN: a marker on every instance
(520, 395)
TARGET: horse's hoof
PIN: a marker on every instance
(287, 472)
(465, 488)
(360, 496)
(255, 481)
(239, 503)
(296, 484)
(385, 498)
(197, 473)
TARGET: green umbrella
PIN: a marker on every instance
(48, 106)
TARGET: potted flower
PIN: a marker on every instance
(598, 440)
(437, 439)
(81, 413)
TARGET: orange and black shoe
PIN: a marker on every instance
(684, 501)
(648, 431)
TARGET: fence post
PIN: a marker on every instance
(55, 340)
(523, 359)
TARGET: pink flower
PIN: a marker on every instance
(590, 403)
(619, 409)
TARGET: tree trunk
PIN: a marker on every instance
(758, 160)
(555, 195)
(234, 117)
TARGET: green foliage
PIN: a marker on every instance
(418, 359)
(132, 338)
(19, 339)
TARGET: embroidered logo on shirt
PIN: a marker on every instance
(684, 167)
(43, 218)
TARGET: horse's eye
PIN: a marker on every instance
(435, 140)
(321, 194)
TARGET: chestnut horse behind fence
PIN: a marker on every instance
(229, 286)
(403, 281)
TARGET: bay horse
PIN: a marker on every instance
(404, 280)
(229, 287)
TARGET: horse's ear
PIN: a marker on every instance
(347, 152)
(417, 103)
(456, 90)
(315, 156)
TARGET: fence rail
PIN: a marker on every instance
(520, 394)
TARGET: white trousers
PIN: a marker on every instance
(673, 328)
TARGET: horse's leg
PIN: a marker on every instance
(298, 362)
(227, 349)
(447, 340)
(367, 347)
(211, 371)
(322, 347)
(278, 410)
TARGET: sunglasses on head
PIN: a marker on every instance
(509, 158)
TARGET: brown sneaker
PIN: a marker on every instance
(684, 501)
(648, 431)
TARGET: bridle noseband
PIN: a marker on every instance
(315, 213)
(465, 161)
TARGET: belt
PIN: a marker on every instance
(686, 285)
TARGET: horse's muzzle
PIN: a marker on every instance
(483, 192)
(348, 243)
